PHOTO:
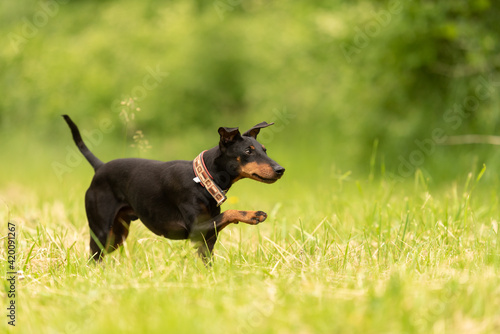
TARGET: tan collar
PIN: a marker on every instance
(206, 180)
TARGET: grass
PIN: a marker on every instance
(345, 256)
(341, 251)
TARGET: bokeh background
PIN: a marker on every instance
(385, 113)
(356, 88)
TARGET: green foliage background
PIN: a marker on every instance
(363, 94)
(348, 74)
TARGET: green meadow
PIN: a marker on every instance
(343, 255)
(386, 115)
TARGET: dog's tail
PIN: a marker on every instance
(92, 159)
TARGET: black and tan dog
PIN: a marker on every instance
(175, 199)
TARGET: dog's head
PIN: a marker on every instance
(247, 155)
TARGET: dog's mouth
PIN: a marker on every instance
(262, 172)
(265, 179)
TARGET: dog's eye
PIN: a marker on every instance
(248, 151)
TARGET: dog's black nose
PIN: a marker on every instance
(279, 170)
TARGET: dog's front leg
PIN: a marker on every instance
(206, 232)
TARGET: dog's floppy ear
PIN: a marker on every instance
(228, 135)
(254, 131)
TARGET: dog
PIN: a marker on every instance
(175, 199)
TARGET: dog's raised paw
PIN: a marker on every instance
(259, 216)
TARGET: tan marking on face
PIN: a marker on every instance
(252, 169)
(252, 147)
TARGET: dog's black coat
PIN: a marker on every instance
(164, 196)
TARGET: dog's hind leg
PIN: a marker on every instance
(106, 230)
(119, 229)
